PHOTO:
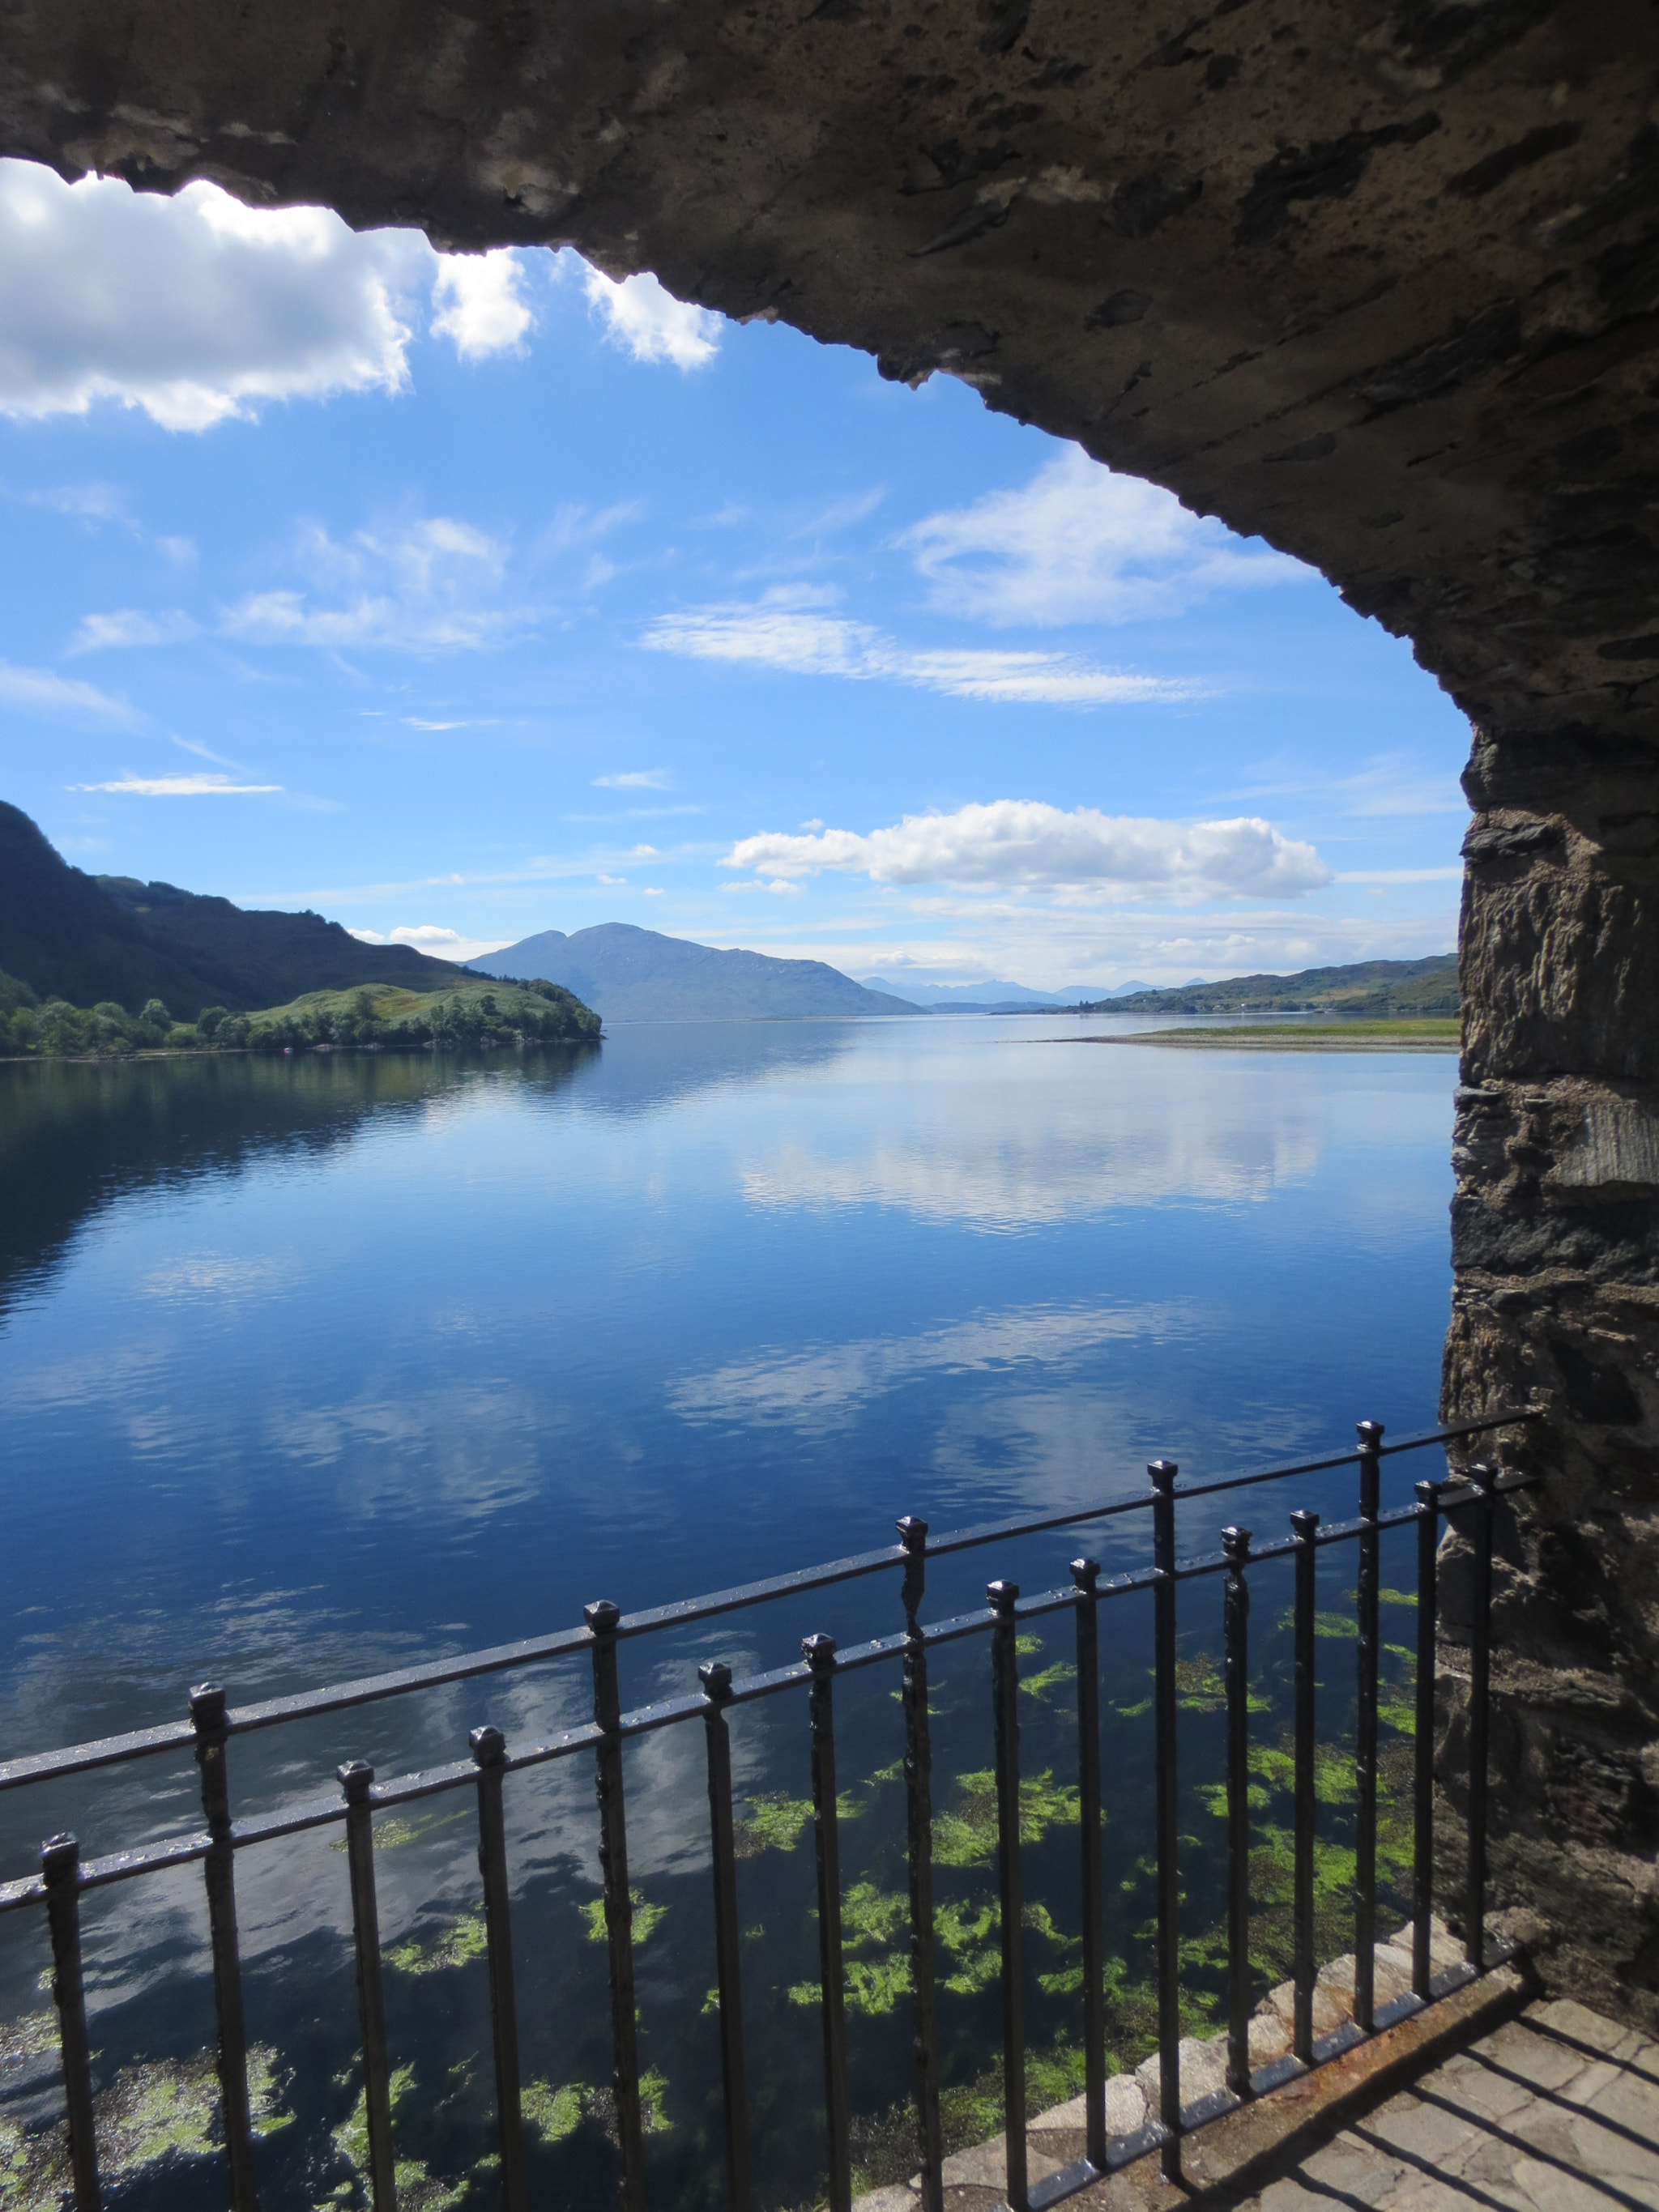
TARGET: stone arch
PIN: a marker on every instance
(1377, 280)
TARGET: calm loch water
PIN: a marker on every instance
(309, 1368)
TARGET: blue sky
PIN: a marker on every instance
(463, 599)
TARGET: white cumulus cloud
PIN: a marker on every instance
(792, 629)
(1025, 844)
(193, 308)
(432, 937)
(1080, 544)
(197, 308)
(651, 323)
(480, 303)
(38, 692)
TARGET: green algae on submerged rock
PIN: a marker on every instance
(152, 2117)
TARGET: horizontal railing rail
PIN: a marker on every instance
(63, 1877)
(502, 1658)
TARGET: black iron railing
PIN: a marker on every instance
(63, 1876)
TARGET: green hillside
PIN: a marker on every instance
(477, 1013)
(108, 940)
(1377, 989)
(373, 1017)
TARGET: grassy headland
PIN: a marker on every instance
(1419, 1033)
(1370, 989)
(373, 1017)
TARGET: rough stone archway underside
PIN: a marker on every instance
(1378, 279)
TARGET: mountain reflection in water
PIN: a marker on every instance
(315, 1366)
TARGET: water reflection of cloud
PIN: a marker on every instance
(828, 1385)
(143, 1934)
(214, 1275)
(1067, 1165)
(1057, 1449)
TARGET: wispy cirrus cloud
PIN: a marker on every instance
(1024, 844)
(87, 502)
(634, 779)
(1078, 543)
(132, 626)
(792, 630)
(842, 513)
(41, 691)
(428, 585)
(179, 786)
(1453, 874)
(1391, 784)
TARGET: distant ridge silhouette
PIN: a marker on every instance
(629, 974)
(96, 939)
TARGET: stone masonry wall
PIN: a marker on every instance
(1377, 279)
(1556, 1248)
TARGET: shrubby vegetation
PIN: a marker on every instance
(53, 1029)
(375, 1016)
(385, 1015)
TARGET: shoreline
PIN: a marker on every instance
(1366, 1037)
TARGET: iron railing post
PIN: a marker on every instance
(1479, 1715)
(1236, 1617)
(1085, 1575)
(819, 1652)
(1005, 1706)
(488, 1747)
(356, 1777)
(60, 1869)
(1365, 1922)
(207, 1714)
(1305, 1528)
(919, 1812)
(716, 1679)
(602, 1618)
(1428, 1545)
(1164, 1473)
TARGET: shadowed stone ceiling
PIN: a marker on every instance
(1380, 282)
(1375, 281)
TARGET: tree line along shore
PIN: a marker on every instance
(372, 1016)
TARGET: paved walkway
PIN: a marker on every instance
(1555, 2111)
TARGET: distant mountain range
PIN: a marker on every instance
(1365, 986)
(95, 939)
(100, 939)
(993, 997)
(629, 974)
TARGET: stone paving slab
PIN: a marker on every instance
(1555, 2111)
(975, 2179)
